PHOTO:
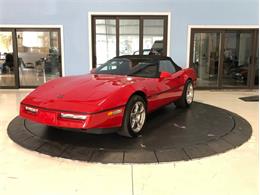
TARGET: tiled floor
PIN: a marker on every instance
(234, 172)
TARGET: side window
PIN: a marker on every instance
(149, 71)
(166, 66)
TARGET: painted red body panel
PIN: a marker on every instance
(95, 95)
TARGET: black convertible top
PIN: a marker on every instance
(135, 65)
(151, 57)
(156, 57)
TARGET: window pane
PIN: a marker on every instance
(149, 71)
(237, 57)
(205, 58)
(153, 36)
(128, 36)
(6, 59)
(39, 58)
(166, 66)
(105, 40)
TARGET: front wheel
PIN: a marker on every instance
(134, 117)
(187, 96)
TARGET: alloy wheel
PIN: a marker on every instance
(137, 116)
(189, 93)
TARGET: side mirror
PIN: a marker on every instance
(93, 71)
(164, 75)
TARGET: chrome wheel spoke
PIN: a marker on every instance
(141, 110)
(137, 116)
(136, 108)
(133, 122)
(189, 93)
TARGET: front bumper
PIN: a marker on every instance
(99, 120)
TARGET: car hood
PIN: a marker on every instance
(85, 93)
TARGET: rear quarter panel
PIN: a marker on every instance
(188, 73)
(182, 77)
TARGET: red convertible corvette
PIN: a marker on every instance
(115, 96)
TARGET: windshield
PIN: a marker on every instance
(131, 67)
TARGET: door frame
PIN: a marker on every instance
(222, 29)
(14, 28)
(16, 71)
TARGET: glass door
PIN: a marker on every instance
(7, 65)
(205, 58)
(29, 57)
(225, 58)
(39, 57)
(237, 59)
(129, 36)
(105, 40)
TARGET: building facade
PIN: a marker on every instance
(42, 40)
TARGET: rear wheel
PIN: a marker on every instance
(187, 96)
(134, 117)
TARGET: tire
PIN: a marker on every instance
(187, 96)
(134, 117)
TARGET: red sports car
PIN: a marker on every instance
(115, 96)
